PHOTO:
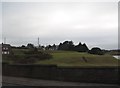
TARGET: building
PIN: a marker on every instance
(6, 48)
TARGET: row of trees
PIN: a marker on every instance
(67, 46)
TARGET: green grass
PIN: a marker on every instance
(70, 58)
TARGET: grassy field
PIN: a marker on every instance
(71, 58)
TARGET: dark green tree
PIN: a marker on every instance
(29, 45)
(78, 47)
(96, 50)
(54, 47)
(84, 48)
(67, 45)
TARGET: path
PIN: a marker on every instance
(18, 81)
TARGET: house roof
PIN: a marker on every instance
(5, 45)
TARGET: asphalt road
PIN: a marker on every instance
(17, 81)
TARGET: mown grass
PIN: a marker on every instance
(70, 58)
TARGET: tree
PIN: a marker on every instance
(84, 48)
(29, 45)
(63, 46)
(78, 47)
(96, 50)
(71, 45)
(48, 47)
(60, 46)
(81, 47)
(23, 47)
(54, 47)
(67, 45)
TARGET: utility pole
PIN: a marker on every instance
(38, 41)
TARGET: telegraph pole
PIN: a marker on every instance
(38, 41)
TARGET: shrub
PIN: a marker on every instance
(96, 51)
(32, 57)
(28, 57)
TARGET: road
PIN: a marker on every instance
(17, 81)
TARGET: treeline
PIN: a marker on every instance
(66, 46)
(69, 46)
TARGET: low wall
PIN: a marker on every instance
(52, 72)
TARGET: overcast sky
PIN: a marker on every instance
(93, 23)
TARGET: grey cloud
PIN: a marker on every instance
(54, 22)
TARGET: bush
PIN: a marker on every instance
(96, 51)
(28, 57)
